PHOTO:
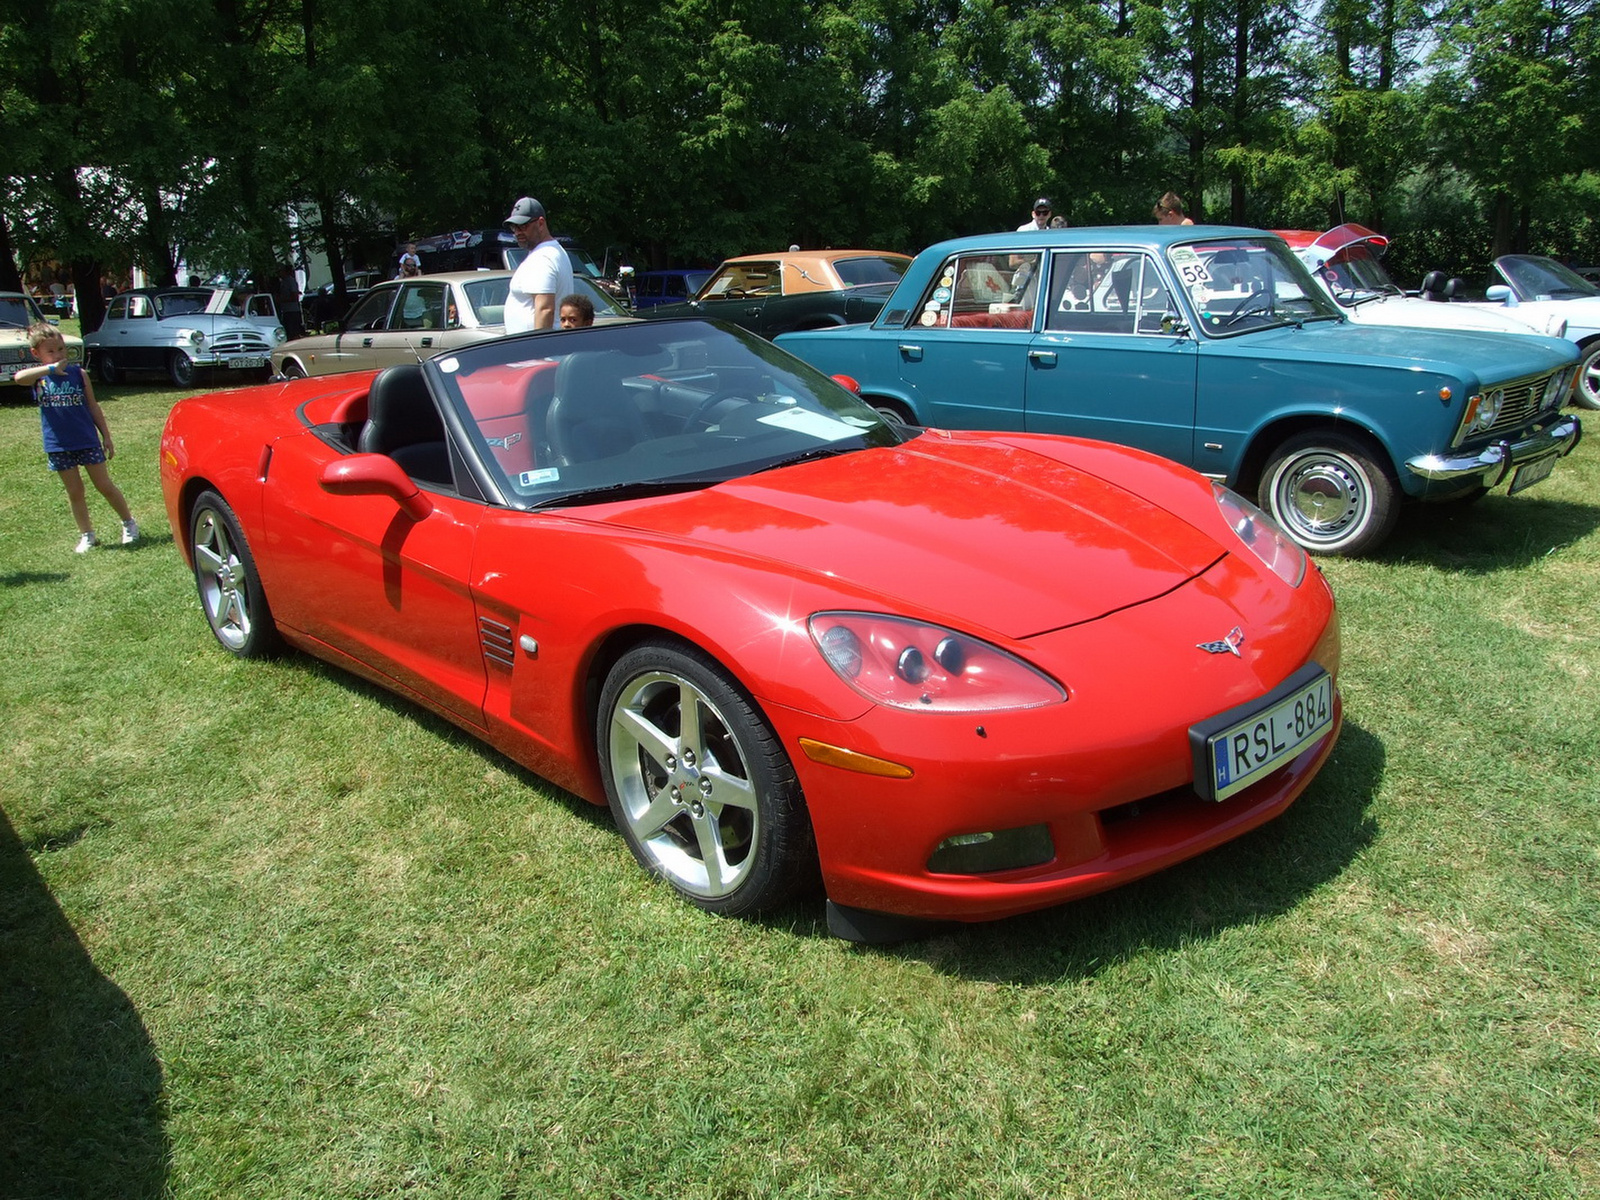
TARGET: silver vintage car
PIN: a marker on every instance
(177, 332)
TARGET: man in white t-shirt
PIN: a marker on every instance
(541, 278)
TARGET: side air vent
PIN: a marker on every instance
(496, 640)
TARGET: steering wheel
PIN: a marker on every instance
(707, 406)
(1253, 304)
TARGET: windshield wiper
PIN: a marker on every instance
(633, 489)
(828, 451)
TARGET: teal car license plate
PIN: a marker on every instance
(1531, 473)
(1234, 749)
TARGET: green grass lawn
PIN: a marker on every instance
(267, 932)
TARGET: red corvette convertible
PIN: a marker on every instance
(677, 571)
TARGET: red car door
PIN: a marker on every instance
(359, 575)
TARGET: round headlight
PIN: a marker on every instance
(1554, 390)
(1489, 409)
(196, 338)
(279, 336)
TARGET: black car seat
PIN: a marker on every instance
(403, 423)
(1433, 285)
(592, 415)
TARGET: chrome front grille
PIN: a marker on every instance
(237, 341)
(1521, 405)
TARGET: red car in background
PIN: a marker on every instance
(671, 568)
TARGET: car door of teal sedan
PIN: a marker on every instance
(1214, 347)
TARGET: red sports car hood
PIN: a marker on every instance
(992, 535)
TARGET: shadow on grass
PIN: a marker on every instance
(1497, 533)
(1263, 874)
(28, 578)
(81, 1108)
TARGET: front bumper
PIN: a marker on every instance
(1103, 782)
(1495, 461)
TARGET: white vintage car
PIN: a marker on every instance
(1537, 288)
(1345, 260)
(180, 332)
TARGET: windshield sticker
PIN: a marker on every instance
(450, 365)
(530, 479)
(931, 317)
(941, 295)
(821, 426)
(1189, 267)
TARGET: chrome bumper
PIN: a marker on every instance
(1494, 462)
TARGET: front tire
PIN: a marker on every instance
(1332, 493)
(293, 370)
(893, 412)
(180, 369)
(225, 575)
(105, 368)
(699, 784)
(1586, 391)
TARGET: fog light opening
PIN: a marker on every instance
(993, 850)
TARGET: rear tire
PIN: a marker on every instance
(1332, 493)
(105, 368)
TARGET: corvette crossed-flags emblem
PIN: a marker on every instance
(1228, 645)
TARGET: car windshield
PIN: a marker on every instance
(1239, 285)
(1534, 277)
(17, 312)
(616, 411)
(180, 304)
(874, 269)
(1355, 274)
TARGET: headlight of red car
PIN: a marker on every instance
(1265, 538)
(927, 668)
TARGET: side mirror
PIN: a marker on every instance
(375, 475)
(1501, 294)
(848, 383)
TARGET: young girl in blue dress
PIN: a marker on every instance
(75, 432)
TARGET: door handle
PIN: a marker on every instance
(366, 341)
(427, 341)
(1042, 358)
(914, 353)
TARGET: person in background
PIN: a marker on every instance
(541, 277)
(287, 294)
(1042, 209)
(410, 261)
(577, 311)
(1169, 211)
(75, 432)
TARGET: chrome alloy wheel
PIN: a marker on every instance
(683, 785)
(223, 579)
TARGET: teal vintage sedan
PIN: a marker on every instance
(1212, 346)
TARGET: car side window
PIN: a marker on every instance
(119, 309)
(371, 312)
(746, 279)
(139, 307)
(421, 306)
(983, 291)
(1107, 292)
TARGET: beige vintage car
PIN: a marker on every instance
(406, 320)
(17, 313)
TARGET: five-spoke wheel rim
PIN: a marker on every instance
(1322, 497)
(684, 784)
(223, 580)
